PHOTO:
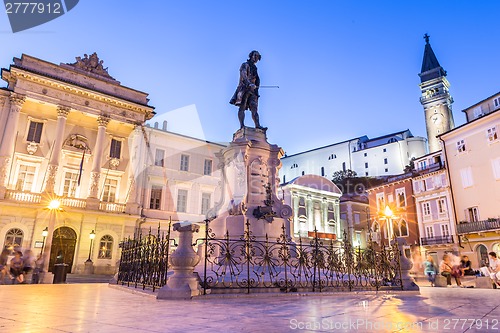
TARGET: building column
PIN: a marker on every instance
(310, 213)
(324, 216)
(62, 115)
(295, 205)
(134, 171)
(95, 175)
(9, 137)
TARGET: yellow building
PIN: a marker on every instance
(65, 134)
(472, 152)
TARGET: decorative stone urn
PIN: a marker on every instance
(183, 284)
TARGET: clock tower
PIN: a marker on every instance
(436, 98)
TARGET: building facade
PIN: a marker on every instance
(393, 213)
(434, 204)
(381, 156)
(472, 153)
(66, 136)
(355, 214)
(315, 202)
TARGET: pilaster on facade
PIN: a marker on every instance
(62, 114)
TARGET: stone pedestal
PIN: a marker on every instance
(406, 279)
(183, 284)
(89, 267)
(250, 179)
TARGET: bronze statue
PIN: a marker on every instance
(247, 94)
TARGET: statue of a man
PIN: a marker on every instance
(247, 94)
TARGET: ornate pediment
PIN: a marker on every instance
(91, 64)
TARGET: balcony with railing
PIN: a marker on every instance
(478, 226)
(430, 168)
(36, 198)
(437, 240)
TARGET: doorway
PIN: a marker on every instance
(63, 248)
(482, 255)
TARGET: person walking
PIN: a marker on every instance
(430, 270)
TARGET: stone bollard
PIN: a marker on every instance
(183, 283)
(406, 279)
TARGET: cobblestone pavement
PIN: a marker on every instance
(104, 308)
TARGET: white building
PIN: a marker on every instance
(381, 156)
(315, 202)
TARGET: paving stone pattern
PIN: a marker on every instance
(104, 308)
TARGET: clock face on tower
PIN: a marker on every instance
(437, 118)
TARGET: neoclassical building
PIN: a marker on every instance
(66, 135)
(315, 201)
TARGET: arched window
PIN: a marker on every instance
(105, 247)
(404, 228)
(13, 238)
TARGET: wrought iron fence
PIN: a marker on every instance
(307, 265)
(244, 263)
(144, 260)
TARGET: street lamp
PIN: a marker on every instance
(53, 206)
(45, 232)
(389, 214)
(91, 236)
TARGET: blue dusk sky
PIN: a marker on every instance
(344, 68)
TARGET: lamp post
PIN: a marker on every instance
(53, 207)
(389, 214)
(91, 236)
(89, 265)
(45, 232)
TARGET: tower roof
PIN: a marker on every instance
(431, 68)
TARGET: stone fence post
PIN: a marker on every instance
(183, 284)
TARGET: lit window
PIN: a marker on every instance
(13, 238)
(105, 247)
(155, 200)
(492, 134)
(184, 163)
(461, 146)
(35, 132)
(182, 201)
(159, 157)
(116, 149)
(207, 168)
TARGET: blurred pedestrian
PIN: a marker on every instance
(16, 268)
(430, 270)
